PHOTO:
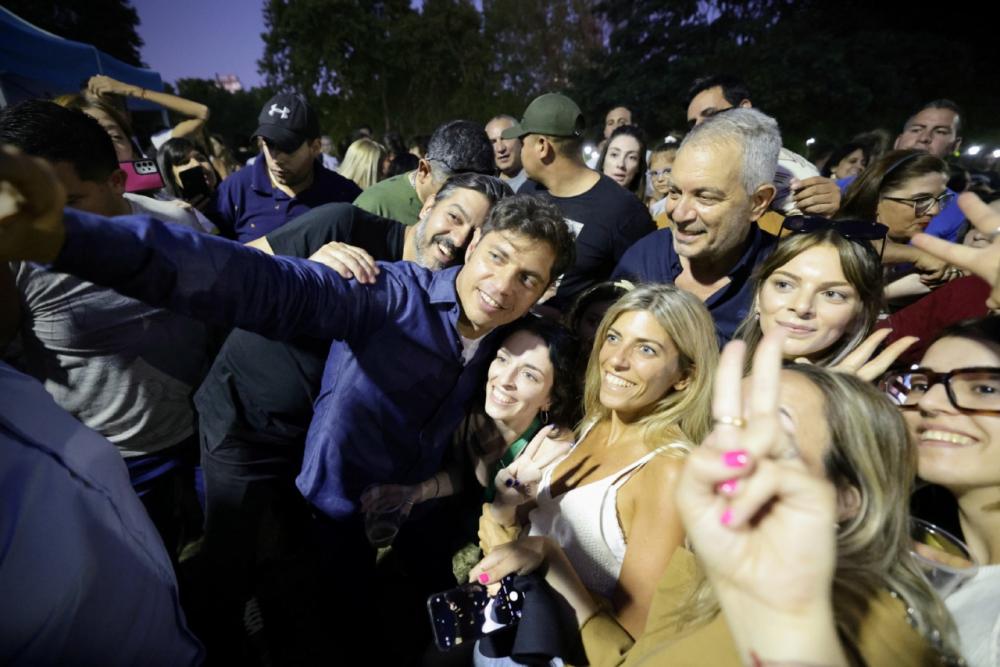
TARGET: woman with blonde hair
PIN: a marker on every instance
(362, 162)
(609, 502)
(807, 448)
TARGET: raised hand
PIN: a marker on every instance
(518, 483)
(860, 361)
(31, 208)
(817, 195)
(982, 261)
(760, 522)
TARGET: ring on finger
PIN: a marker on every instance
(726, 420)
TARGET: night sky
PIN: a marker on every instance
(199, 38)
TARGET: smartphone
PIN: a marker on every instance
(193, 183)
(468, 612)
(141, 175)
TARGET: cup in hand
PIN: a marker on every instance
(944, 559)
(383, 517)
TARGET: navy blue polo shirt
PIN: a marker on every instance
(653, 260)
(250, 207)
(395, 386)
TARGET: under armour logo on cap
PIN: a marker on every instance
(284, 111)
(286, 121)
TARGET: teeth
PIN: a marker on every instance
(444, 250)
(946, 436)
(490, 302)
(500, 397)
(616, 381)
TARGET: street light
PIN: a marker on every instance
(995, 154)
(973, 150)
(810, 141)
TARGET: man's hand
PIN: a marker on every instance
(984, 261)
(31, 211)
(349, 261)
(816, 196)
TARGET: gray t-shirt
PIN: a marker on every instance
(122, 368)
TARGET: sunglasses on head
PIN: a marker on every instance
(853, 230)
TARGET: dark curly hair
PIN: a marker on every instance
(563, 348)
(538, 220)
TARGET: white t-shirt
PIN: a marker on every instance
(170, 210)
(976, 609)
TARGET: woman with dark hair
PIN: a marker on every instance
(624, 159)
(847, 161)
(182, 163)
(531, 390)
(903, 190)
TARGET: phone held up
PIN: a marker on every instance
(468, 612)
(194, 183)
(141, 175)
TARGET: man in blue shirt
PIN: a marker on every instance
(409, 353)
(84, 577)
(288, 181)
(721, 183)
(937, 129)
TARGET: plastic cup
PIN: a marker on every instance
(382, 522)
(944, 560)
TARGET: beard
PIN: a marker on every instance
(424, 248)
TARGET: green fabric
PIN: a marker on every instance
(393, 198)
(512, 453)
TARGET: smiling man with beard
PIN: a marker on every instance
(722, 181)
(256, 403)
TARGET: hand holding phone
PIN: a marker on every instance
(468, 612)
(141, 175)
(194, 183)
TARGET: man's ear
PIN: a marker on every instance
(848, 503)
(760, 200)
(116, 181)
(958, 145)
(477, 236)
(427, 206)
(315, 147)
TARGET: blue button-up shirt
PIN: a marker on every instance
(248, 206)
(654, 260)
(394, 387)
(84, 576)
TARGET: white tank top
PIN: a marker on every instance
(584, 522)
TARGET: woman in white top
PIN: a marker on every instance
(609, 502)
(952, 404)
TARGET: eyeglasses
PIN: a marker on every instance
(656, 173)
(854, 230)
(923, 204)
(975, 389)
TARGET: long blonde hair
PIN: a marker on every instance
(362, 162)
(871, 452)
(682, 415)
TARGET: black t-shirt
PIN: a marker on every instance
(607, 220)
(262, 391)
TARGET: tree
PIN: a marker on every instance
(110, 25)
(234, 115)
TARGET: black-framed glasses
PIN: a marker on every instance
(923, 204)
(975, 389)
(851, 229)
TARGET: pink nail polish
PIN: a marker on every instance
(728, 487)
(726, 518)
(735, 458)
(484, 578)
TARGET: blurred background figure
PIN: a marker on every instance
(363, 163)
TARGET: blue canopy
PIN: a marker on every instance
(35, 63)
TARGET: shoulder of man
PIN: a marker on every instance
(339, 187)
(648, 259)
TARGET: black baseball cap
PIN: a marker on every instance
(287, 120)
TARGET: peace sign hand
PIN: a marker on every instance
(760, 522)
(518, 483)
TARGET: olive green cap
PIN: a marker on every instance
(551, 114)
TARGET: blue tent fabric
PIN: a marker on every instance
(36, 63)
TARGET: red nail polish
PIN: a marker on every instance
(728, 487)
(735, 458)
(727, 517)
(484, 578)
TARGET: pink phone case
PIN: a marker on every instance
(142, 175)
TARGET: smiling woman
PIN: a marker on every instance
(823, 289)
(609, 502)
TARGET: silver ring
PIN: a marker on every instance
(738, 422)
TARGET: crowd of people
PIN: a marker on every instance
(695, 401)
